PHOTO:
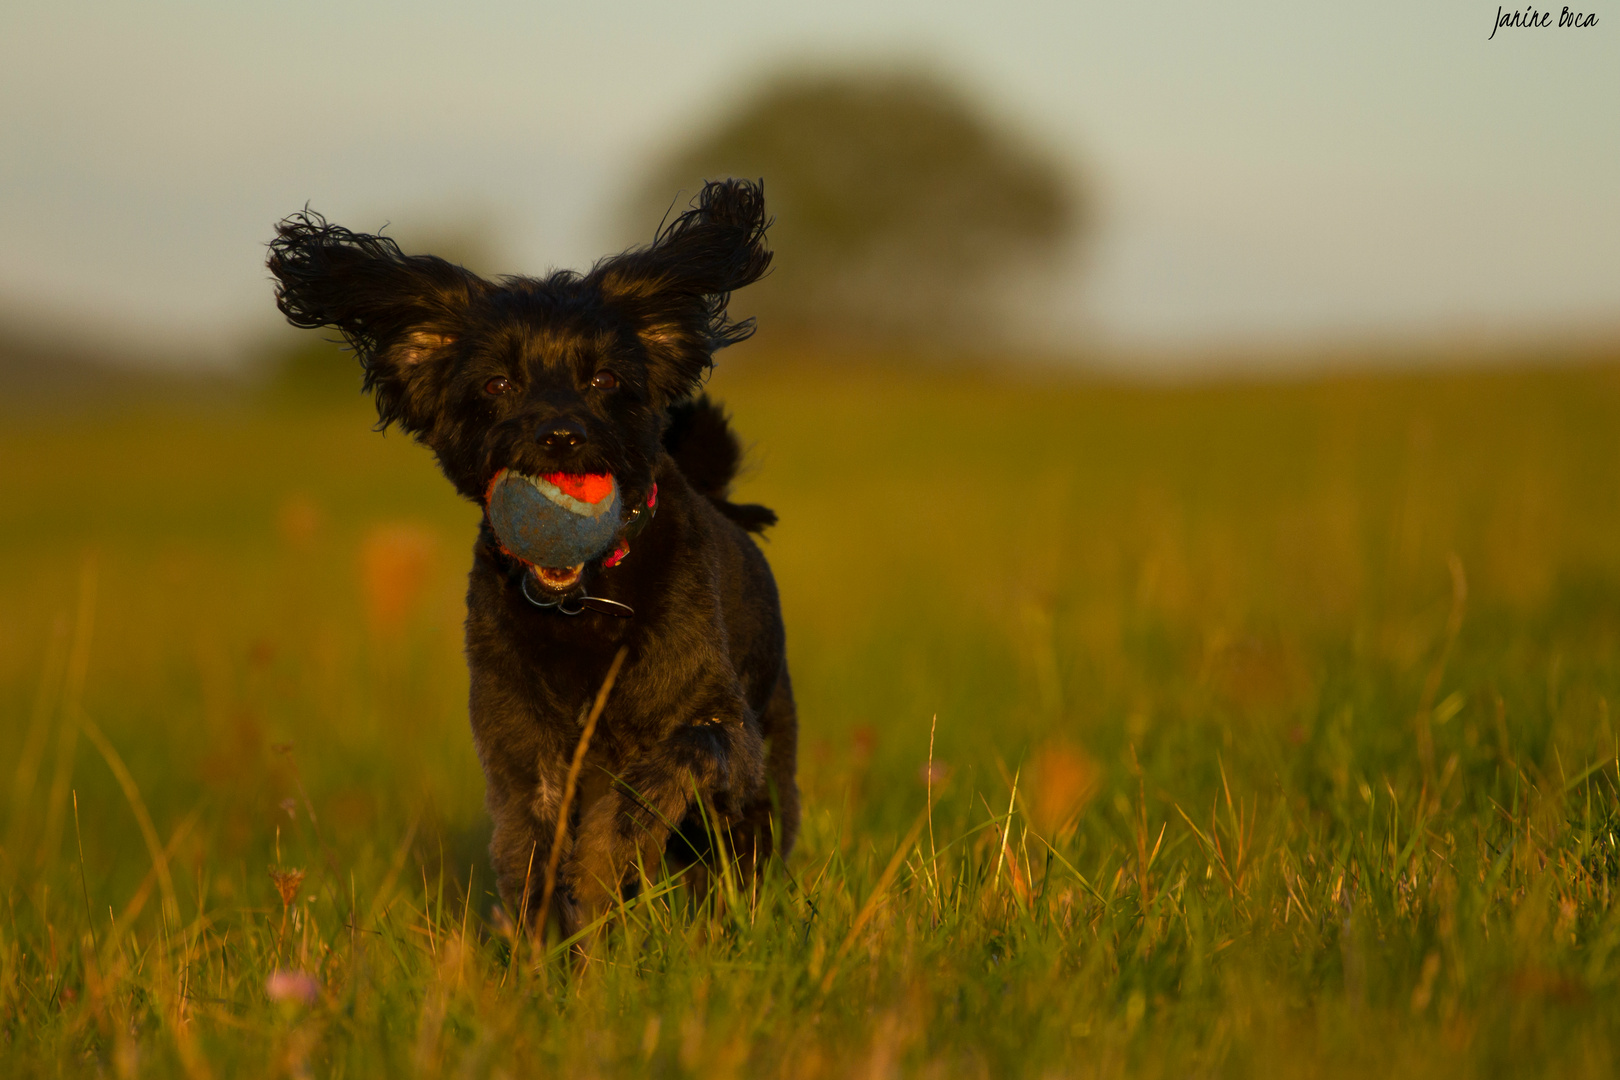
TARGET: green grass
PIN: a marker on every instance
(1305, 689)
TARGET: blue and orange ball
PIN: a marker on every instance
(556, 520)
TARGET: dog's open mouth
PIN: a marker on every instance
(559, 578)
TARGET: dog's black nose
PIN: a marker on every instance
(561, 436)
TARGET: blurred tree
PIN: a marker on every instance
(901, 209)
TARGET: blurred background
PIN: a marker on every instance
(1202, 188)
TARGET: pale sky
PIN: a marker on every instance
(1265, 171)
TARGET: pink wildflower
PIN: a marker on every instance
(292, 986)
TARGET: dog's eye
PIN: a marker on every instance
(500, 384)
(604, 380)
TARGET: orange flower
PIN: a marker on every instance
(394, 564)
(288, 882)
(1063, 779)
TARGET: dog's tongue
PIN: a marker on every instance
(586, 487)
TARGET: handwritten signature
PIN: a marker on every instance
(1530, 18)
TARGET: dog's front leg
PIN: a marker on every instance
(525, 820)
(716, 756)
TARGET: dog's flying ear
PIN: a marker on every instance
(400, 313)
(675, 290)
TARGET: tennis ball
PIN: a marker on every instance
(556, 520)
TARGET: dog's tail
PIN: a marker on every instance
(702, 443)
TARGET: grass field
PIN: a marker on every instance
(1271, 724)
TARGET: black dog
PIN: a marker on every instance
(591, 374)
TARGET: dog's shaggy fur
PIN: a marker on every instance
(591, 374)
